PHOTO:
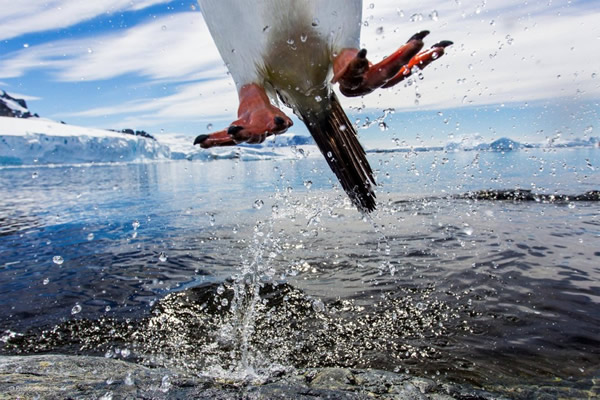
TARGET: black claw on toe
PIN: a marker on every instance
(443, 43)
(279, 121)
(200, 139)
(234, 129)
(419, 36)
(362, 53)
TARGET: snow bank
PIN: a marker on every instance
(42, 141)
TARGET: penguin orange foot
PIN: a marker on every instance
(357, 76)
(257, 120)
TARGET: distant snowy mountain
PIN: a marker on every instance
(504, 144)
(593, 141)
(12, 107)
(467, 142)
(42, 141)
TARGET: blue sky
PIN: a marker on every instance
(529, 70)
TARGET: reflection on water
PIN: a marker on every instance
(236, 268)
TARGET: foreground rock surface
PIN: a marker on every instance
(81, 377)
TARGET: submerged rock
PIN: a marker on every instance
(60, 376)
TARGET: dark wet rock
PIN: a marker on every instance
(59, 376)
(516, 195)
(528, 195)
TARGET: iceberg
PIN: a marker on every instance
(285, 146)
(42, 141)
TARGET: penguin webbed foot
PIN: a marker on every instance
(357, 76)
(257, 120)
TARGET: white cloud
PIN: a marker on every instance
(29, 16)
(203, 100)
(174, 48)
(504, 52)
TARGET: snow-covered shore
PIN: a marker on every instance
(41, 141)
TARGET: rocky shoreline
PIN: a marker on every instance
(84, 377)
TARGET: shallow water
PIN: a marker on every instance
(243, 267)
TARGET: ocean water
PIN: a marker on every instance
(233, 268)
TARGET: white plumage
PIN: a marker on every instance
(247, 32)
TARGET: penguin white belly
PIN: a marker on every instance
(256, 37)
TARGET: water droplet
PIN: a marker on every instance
(383, 126)
(416, 17)
(468, 231)
(58, 260)
(26, 45)
(209, 126)
(434, 15)
(76, 309)
(107, 308)
(90, 236)
(162, 256)
(46, 281)
(128, 380)
(165, 384)
(89, 50)
(258, 204)
(571, 205)
(266, 28)
(135, 224)
(315, 22)
(220, 290)
(318, 305)
(303, 37)
(379, 30)
(224, 302)
(372, 6)
(290, 41)
(164, 27)
(308, 184)
(318, 98)
(34, 175)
